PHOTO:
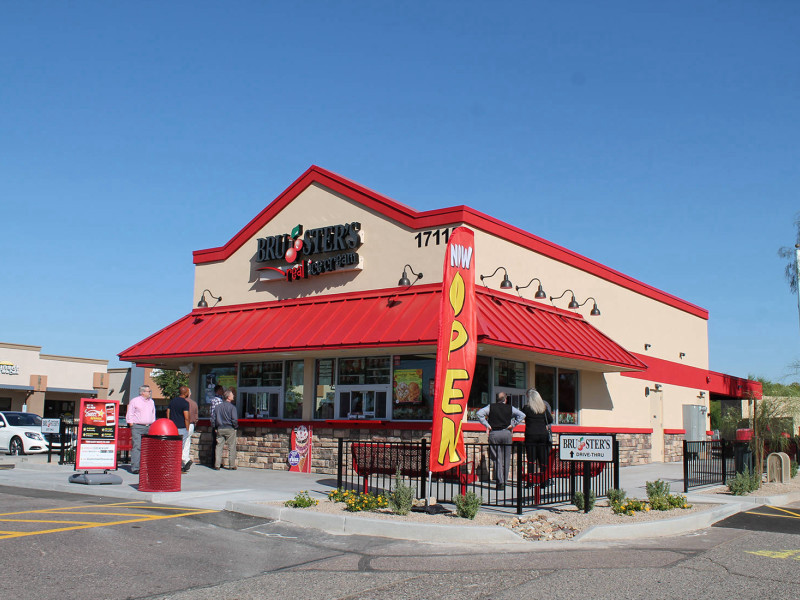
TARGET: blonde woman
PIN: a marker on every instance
(538, 418)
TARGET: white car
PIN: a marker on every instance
(21, 433)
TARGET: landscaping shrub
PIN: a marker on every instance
(744, 482)
(793, 468)
(467, 505)
(630, 506)
(356, 501)
(578, 500)
(402, 498)
(615, 496)
(657, 488)
(301, 500)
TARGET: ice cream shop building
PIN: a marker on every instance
(314, 313)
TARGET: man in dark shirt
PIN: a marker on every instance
(226, 421)
(500, 419)
(178, 413)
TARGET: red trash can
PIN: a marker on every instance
(744, 435)
(160, 465)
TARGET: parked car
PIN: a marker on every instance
(21, 433)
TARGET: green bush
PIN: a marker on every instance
(402, 498)
(301, 500)
(657, 489)
(793, 468)
(467, 505)
(615, 496)
(577, 500)
(630, 506)
(744, 483)
(356, 501)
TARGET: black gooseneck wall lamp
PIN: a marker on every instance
(404, 281)
(539, 295)
(573, 304)
(506, 283)
(595, 311)
(203, 303)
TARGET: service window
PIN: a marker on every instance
(325, 388)
(293, 390)
(210, 377)
(413, 379)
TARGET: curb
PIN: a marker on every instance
(661, 528)
(348, 525)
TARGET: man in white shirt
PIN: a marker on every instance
(140, 415)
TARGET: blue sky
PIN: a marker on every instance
(660, 139)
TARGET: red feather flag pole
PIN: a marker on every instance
(456, 349)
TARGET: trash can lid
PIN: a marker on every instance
(163, 427)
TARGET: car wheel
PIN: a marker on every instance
(16, 447)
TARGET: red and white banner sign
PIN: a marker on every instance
(300, 453)
(97, 434)
(456, 350)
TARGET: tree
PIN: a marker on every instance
(170, 382)
(789, 254)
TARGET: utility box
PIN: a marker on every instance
(694, 422)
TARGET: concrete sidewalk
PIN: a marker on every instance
(249, 491)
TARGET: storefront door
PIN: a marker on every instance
(260, 402)
(362, 401)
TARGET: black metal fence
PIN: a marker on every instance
(713, 462)
(371, 467)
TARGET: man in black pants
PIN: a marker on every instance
(500, 419)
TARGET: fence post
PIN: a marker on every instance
(685, 466)
(424, 469)
(340, 464)
(616, 462)
(519, 478)
(724, 463)
(62, 426)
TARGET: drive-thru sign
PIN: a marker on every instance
(595, 448)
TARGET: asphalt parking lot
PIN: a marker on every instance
(775, 519)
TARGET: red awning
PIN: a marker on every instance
(377, 319)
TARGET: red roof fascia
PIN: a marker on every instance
(664, 371)
(437, 218)
(381, 318)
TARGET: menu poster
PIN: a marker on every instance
(407, 386)
(300, 454)
(97, 434)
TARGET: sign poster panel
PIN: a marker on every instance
(300, 453)
(586, 447)
(456, 349)
(97, 434)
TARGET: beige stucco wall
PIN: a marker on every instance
(60, 372)
(628, 317)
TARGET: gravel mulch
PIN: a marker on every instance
(766, 489)
(561, 522)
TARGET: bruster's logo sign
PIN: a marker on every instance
(303, 251)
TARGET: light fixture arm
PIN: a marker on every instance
(573, 304)
(540, 295)
(506, 283)
(404, 281)
(595, 311)
(203, 303)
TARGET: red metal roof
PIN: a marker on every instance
(382, 318)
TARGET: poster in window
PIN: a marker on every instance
(407, 386)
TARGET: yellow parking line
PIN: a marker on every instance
(90, 526)
(786, 510)
(760, 514)
(45, 521)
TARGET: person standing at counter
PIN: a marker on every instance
(500, 419)
(538, 418)
(219, 394)
(226, 421)
(140, 415)
(178, 413)
(187, 442)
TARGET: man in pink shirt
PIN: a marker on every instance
(141, 414)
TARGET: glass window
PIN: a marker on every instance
(509, 374)
(479, 392)
(559, 388)
(293, 392)
(567, 397)
(364, 371)
(262, 374)
(413, 386)
(210, 377)
(325, 395)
